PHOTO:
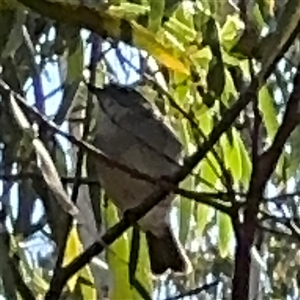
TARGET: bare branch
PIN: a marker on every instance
(266, 163)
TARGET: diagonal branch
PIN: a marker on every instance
(265, 166)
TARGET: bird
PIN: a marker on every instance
(133, 132)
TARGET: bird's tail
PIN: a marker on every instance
(166, 252)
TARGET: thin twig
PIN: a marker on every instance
(195, 291)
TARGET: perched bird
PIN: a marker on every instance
(132, 131)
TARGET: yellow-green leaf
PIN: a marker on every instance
(245, 164)
(231, 31)
(232, 155)
(146, 40)
(206, 121)
(87, 291)
(128, 10)
(117, 257)
(143, 273)
(73, 249)
(182, 32)
(229, 88)
(269, 115)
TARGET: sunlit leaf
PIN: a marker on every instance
(88, 291)
(73, 249)
(143, 273)
(229, 88)
(258, 17)
(232, 155)
(206, 122)
(117, 257)
(246, 165)
(128, 10)
(269, 114)
(184, 13)
(183, 33)
(146, 40)
(231, 31)
(201, 59)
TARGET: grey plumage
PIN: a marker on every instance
(133, 132)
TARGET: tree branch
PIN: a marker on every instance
(266, 164)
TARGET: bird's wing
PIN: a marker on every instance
(131, 112)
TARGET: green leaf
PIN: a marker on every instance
(206, 122)
(183, 32)
(211, 37)
(246, 164)
(129, 10)
(216, 78)
(146, 40)
(266, 9)
(231, 31)
(229, 89)
(210, 172)
(117, 257)
(202, 58)
(232, 155)
(181, 24)
(11, 37)
(142, 273)
(281, 167)
(258, 17)
(269, 114)
(209, 175)
(75, 59)
(225, 233)
(186, 207)
(184, 14)
(185, 136)
(73, 250)
(156, 14)
(88, 291)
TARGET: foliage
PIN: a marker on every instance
(195, 60)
